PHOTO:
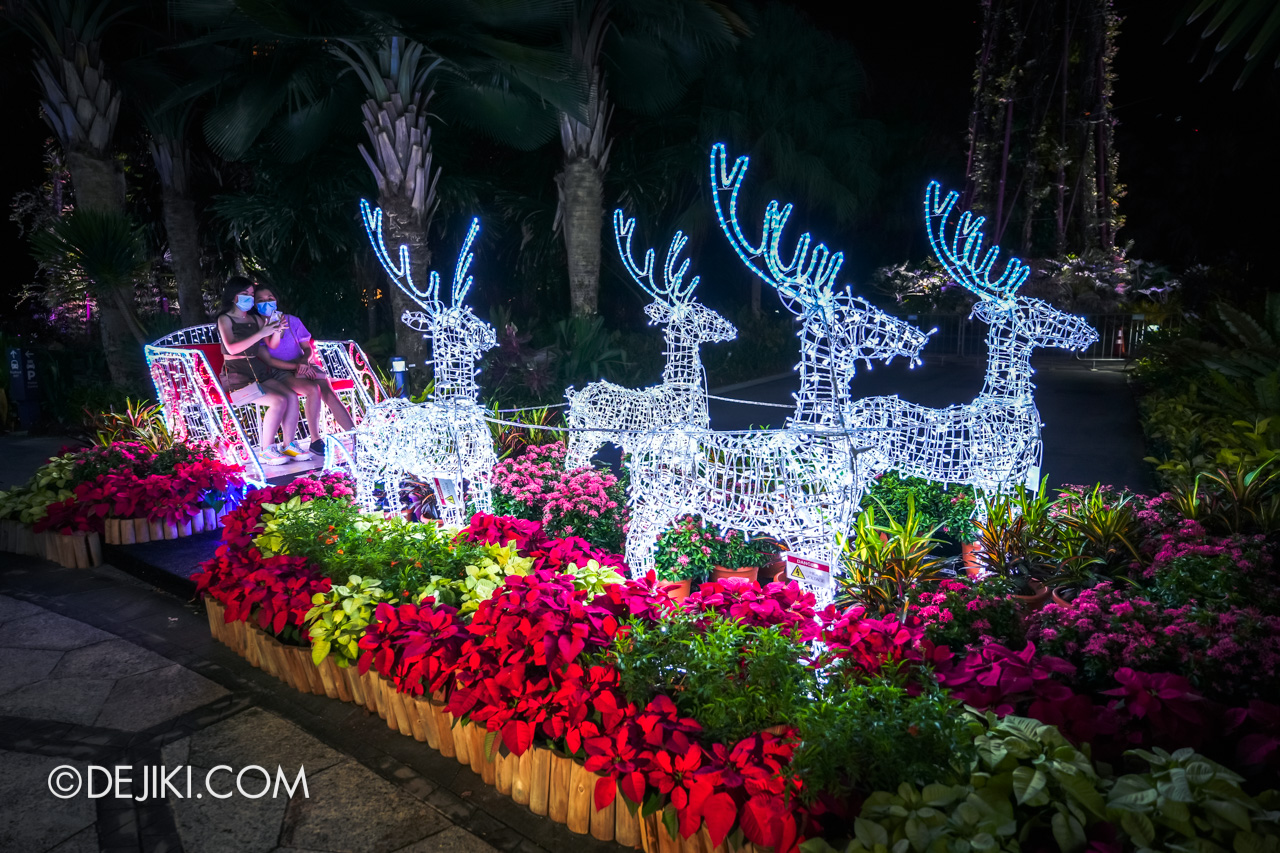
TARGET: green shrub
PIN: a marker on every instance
(948, 508)
(735, 679)
(333, 535)
(1186, 802)
(1026, 787)
(876, 735)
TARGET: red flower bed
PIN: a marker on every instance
(526, 668)
(274, 592)
(529, 666)
(127, 480)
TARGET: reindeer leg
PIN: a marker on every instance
(642, 538)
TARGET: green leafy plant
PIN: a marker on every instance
(876, 735)
(1186, 802)
(337, 619)
(885, 563)
(735, 679)
(949, 509)
(593, 577)
(1016, 534)
(1097, 526)
(479, 579)
(1025, 782)
(735, 551)
(585, 351)
(51, 483)
(340, 540)
(537, 426)
(1244, 495)
(141, 421)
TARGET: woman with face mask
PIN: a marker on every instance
(241, 330)
(290, 348)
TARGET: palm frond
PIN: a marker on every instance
(1235, 24)
(106, 246)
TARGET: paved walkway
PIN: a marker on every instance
(98, 668)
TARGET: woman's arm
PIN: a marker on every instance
(270, 359)
(234, 347)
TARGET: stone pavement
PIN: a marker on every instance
(99, 668)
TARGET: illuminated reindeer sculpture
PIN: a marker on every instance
(994, 442)
(681, 399)
(799, 484)
(446, 438)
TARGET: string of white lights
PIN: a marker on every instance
(446, 439)
(602, 411)
(800, 485)
(994, 442)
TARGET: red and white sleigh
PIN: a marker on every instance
(184, 368)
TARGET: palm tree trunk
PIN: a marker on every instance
(581, 186)
(184, 249)
(99, 185)
(405, 227)
(368, 281)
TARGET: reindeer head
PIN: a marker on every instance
(454, 329)
(1031, 322)
(673, 304)
(855, 329)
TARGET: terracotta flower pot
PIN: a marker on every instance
(722, 573)
(969, 552)
(678, 590)
(772, 572)
(1059, 600)
(1038, 597)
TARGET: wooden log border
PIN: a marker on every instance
(548, 783)
(71, 550)
(137, 531)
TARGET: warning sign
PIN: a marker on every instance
(807, 571)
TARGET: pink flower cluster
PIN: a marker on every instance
(582, 502)
(538, 478)
(1189, 539)
(1231, 653)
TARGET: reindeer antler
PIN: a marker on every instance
(461, 281)
(673, 290)
(807, 278)
(400, 273)
(963, 261)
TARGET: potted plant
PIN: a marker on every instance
(955, 508)
(737, 557)
(686, 554)
(773, 561)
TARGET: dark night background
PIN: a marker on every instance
(1196, 157)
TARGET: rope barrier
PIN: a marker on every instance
(790, 406)
(531, 408)
(653, 432)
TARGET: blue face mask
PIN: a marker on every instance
(244, 302)
(266, 309)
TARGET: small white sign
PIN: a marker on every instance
(808, 571)
(446, 492)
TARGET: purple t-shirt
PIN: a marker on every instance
(290, 347)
